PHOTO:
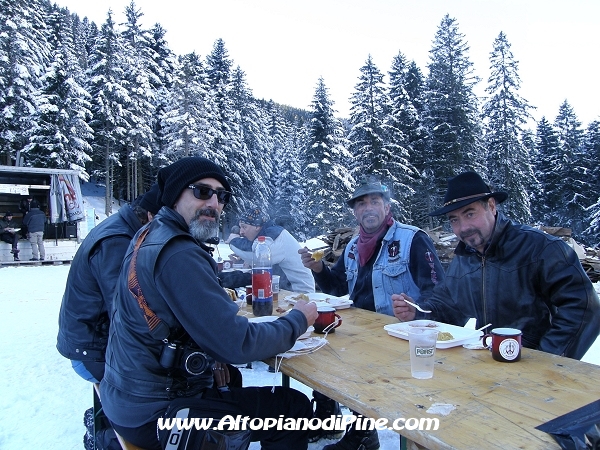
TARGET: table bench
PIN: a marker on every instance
(99, 415)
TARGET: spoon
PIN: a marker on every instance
(416, 306)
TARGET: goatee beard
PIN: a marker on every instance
(203, 229)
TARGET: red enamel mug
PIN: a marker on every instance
(506, 344)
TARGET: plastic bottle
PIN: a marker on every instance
(262, 274)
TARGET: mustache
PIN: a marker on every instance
(468, 233)
(208, 212)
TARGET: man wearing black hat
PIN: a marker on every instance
(8, 233)
(84, 316)
(174, 326)
(510, 275)
(387, 257)
(284, 250)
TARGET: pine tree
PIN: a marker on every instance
(186, 122)
(60, 135)
(326, 181)
(286, 201)
(141, 80)
(164, 68)
(250, 164)
(23, 55)
(592, 150)
(548, 172)
(509, 164)
(110, 104)
(407, 134)
(218, 71)
(451, 117)
(573, 182)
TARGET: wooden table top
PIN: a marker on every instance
(498, 405)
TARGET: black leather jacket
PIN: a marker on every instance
(84, 313)
(526, 279)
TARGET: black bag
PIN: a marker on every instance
(195, 439)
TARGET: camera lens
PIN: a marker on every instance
(196, 363)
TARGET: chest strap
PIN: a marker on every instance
(158, 329)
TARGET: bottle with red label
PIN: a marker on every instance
(262, 274)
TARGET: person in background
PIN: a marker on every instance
(284, 250)
(168, 297)
(234, 233)
(386, 258)
(24, 208)
(8, 233)
(84, 316)
(510, 275)
(35, 220)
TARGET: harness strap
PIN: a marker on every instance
(158, 329)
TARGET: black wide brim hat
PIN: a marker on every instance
(465, 189)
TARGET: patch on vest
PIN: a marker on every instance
(393, 251)
(431, 261)
(352, 251)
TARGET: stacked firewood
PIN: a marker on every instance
(337, 241)
(445, 243)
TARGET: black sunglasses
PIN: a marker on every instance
(205, 193)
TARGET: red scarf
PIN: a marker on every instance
(367, 242)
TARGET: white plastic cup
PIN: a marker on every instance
(422, 343)
(275, 287)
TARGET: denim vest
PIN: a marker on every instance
(391, 274)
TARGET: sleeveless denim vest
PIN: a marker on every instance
(391, 274)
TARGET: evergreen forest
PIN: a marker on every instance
(112, 101)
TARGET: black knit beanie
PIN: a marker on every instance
(173, 179)
(150, 201)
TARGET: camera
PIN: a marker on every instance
(193, 361)
(188, 359)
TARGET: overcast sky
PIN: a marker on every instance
(284, 46)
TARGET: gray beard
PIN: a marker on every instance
(203, 229)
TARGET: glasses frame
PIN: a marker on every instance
(203, 192)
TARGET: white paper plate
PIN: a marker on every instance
(263, 319)
(323, 300)
(461, 335)
(305, 335)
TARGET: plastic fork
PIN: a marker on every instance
(417, 306)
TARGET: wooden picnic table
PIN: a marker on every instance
(496, 405)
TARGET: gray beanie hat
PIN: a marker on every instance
(173, 179)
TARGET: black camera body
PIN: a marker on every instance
(188, 358)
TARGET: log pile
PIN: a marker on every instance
(337, 241)
(445, 243)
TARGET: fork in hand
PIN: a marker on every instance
(416, 306)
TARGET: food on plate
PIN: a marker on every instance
(232, 294)
(318, 254)
(280, 310)
(445, 336)
(423, 323)
(297, 297)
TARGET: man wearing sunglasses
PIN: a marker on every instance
(169, 306)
